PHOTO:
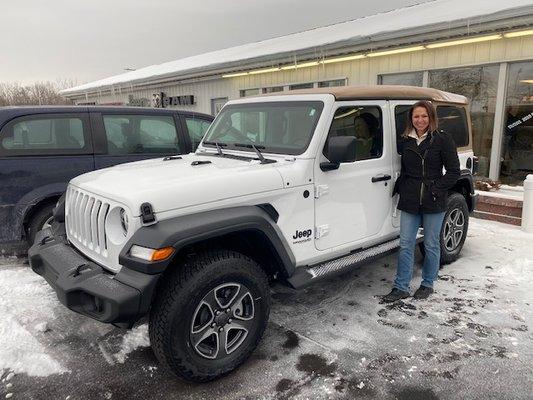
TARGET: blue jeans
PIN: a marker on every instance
(409, 224)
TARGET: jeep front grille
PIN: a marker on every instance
(85, 216)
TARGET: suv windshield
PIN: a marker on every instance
(278, 127)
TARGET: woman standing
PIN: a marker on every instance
(423, 189)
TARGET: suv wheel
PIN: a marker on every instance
(40, 220)
(209, 315)
(454, 229)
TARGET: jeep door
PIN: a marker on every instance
(353, 202)
(122, 137)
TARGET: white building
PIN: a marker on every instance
(482, 49)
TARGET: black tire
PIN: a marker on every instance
(455, 207)
(39, 219)
(181, 302)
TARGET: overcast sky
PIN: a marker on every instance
(88, 40)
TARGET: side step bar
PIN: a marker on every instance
(307, 275)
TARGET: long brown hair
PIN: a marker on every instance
(432, 114)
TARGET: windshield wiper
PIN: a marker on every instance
(256, 149)
(218, 146)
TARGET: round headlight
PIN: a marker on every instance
(117, 225)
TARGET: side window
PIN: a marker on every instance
(197, 128)
(365, 124)
(140, 134)
(44, 135)
(401, 113)
(453, 121)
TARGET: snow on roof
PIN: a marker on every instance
(358, 30)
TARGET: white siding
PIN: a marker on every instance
(364, 71)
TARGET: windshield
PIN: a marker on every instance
(278, 127)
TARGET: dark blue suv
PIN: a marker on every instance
(42, 148)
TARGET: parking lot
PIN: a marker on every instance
(472, 339)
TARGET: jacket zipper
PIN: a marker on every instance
(422, 183)
(423, 173)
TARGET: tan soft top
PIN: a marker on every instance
(383, 92)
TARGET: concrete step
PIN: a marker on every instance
(502, 209)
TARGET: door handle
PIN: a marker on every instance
(380, 178)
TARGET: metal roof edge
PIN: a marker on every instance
(506, 19)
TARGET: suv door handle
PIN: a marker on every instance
(380, 178)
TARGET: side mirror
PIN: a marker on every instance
(341, 149)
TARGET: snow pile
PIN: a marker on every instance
(137, 337)
(20, 351)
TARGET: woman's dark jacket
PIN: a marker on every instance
(422, 186)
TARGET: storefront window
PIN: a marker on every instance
(249, 92)
(273, 89)
(479, 85)
(517, 146)
(336, 82)
(301, 86)
(409, 79)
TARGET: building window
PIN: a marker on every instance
(336, 82)
(479, 85)
(273, 89)
(301, 86)
(409, 79)
(249, 92)
(517, 146)
(362, 122)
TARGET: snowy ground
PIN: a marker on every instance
(473, 339)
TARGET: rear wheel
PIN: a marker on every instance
(454, 229)
(209, 315)
(41, 219)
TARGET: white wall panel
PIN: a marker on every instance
(363, 71)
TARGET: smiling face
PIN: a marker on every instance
(420, 120)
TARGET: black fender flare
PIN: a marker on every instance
(466, 180)
(185, 230)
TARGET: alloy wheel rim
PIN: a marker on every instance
(454, 228)
(222, 321)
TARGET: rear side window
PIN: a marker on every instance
(453, 121)
(197, 128)
(140, 134)
(45, 135)
(365, 124)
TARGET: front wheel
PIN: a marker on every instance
(209, 315)
(41, 219)
(454, 229)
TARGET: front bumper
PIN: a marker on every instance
(85, 287)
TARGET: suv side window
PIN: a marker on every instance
(136, 134)
(365, 124)
(45, 135)
(453, 120)
(401, 113)
(196, 127)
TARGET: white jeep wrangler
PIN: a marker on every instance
(294, 187)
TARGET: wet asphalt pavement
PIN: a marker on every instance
(472, 339)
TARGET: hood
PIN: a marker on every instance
(178, 183)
